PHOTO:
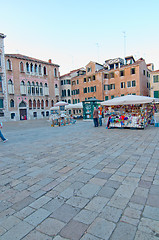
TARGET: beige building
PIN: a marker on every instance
(32, 86)
(154, 84)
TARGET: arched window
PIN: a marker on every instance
(35, 68)
(10, 87)
(30, 104)
(21, 67)
(31, 68)
(40, 70)
(33, 88)
(12, 103)
(45, 85)
(22, 83)
(37, 88)
(29, 88)
(46, 103)
(41, 89)
(34, 104)
(9, 65)
(56, 86)
(55, 72)
(52, 103)
(38, 104)
(27, 67)
(44, 70)
(42, 104)
(22, 104)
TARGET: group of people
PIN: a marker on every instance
(97, 116)
(1, 135)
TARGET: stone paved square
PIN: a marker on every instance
(78, 182)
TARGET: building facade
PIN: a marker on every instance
(3, 92)
(32, 86)
(154, 84)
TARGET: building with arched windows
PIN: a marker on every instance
(32, 86)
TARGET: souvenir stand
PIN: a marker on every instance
(59, 115)
(129, 111)
(88, 107)
(75, 110)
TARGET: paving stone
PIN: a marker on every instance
(23, 203)
(118, 202)
(151, 212)
(88, 236)
(10, 222)
(144, 184)
(124, 231)
(111, 214)
(38, 194)
(25, 212)
(98, 181)
(35, 235)
(132, 213)
(86, 216)
(144, 236)
(106, 192)
(65, 213)
(19, 231)
(113, 184)
(138, 199)
(132, 221)
(97, 204)
(88, 190)
(149, 226)
(52, 205)
(40, 202)
(103, 175)
(37, 217)
(73, 230)
(67, 193)
(50, 226)
(78, 202)
(101, 228)
(60, 238)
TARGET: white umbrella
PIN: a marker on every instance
(75, 106)
(128, 99)
(61, 103)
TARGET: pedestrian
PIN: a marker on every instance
(95, 117)
(1, 135)
(100, 115)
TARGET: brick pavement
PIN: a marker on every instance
(78, 182)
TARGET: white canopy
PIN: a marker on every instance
(75, 106)
(128, 99)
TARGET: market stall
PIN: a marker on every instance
(59, 115)
(76, 110)
(129, 111)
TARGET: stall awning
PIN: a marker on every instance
(128, 100)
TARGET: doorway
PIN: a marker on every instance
(23, 114)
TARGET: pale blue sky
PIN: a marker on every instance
(72, 32)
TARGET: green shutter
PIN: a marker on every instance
(156, 94)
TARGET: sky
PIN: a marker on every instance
(74, 32)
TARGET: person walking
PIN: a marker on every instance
(95, 117)
(100, 115)
(1, 135)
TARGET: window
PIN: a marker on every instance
(12, 103)
(112, 86)
(69, 101)
(132, 70)
(77, 81)
(41, 89)
(55, 72)
(34, 104)
(1, 84)
(89, 69)
(129, 84)
(73, 83)
(37, 88)
(27, 67)
(46, 103)
(33, 88)
(34, 114)
(56, 85)
(42, 104)
(89, 79)
(143, 72)
(47, 113)
(68, 82)
(68, 93)
(122, 95)
(106, 87)
(0, 60)
(156, 94)
(112, 75)
(155, 79)
(29, 88)
(35, 68)
(9, 66)
(94, 77)
(40, 72)
(84, 80)
(1, 103)
(84, 90)
(38, 104)
(44, 70)
(30, 104)
(43, 114)
(122, 73)
(122, 84)
(12, 116)
(21, 67)
(31, 68)
(88, 89)
(112, 96)
(106, 98)
(133, 83)
(52, 103)
(106, 75)
(62, 82)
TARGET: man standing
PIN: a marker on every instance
(95, 117)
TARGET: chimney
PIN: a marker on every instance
(50, 61)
